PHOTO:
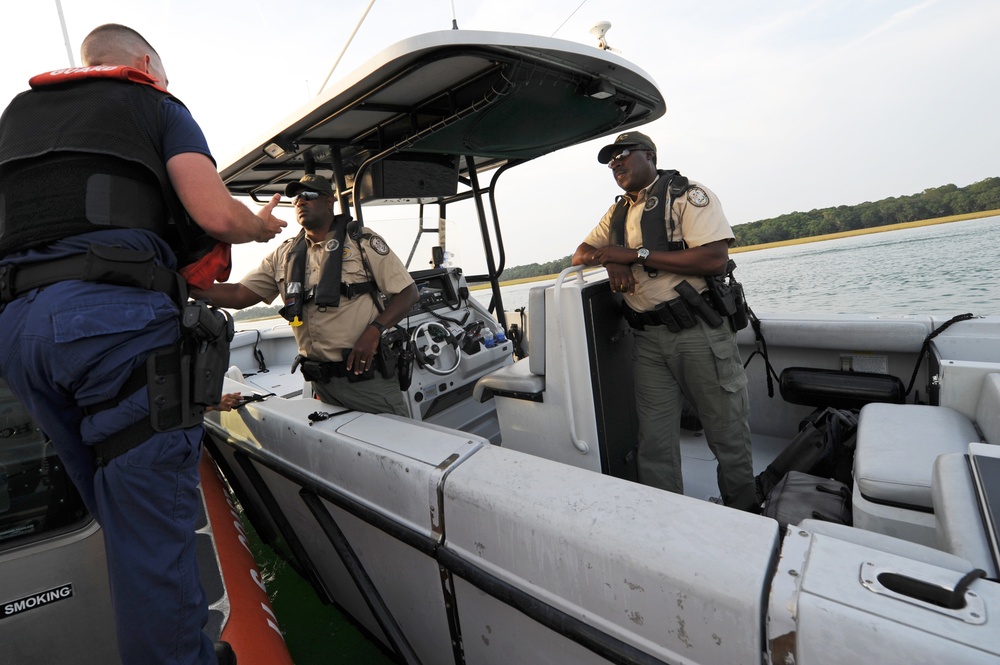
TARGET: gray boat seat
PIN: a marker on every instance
(525, 379)
(515, 381)
(956, 509)
(897, 445)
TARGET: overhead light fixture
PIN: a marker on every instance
(600, 89)
(278, 148)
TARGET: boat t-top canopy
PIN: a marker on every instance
(433, 111)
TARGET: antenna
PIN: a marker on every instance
(599, 30)
(62, 22)
(349, 40)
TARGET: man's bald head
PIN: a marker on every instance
(114, 44)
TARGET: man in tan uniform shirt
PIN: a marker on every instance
(344, 337)
(689, 238)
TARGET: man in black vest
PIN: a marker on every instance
(329, 281)
(107, 189)
(658, 241)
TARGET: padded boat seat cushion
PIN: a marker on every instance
(515, 381)
(896, 448)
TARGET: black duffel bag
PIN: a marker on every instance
(800, 496)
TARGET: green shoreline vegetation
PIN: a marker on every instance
(939, 205)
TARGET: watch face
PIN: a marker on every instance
(643, 253)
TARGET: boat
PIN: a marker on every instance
(502, 521)
(55, 601)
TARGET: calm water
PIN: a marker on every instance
(943, 269)
(946, 269)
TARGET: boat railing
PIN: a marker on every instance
(577, 273)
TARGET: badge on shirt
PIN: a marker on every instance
(348, 252)
(652, 202)
(379, 245)
(332, 245)
(697, 197)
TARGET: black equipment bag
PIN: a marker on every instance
(824, 446)
(813, 386)
(800, 496)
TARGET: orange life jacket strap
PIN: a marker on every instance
(70, 74)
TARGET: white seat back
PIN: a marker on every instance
(988, 409)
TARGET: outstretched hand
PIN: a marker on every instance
(270, 225)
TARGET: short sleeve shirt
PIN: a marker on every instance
(329, 334)
(698, 220)
(180, 132)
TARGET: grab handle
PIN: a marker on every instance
(578, 443)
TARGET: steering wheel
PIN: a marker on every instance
(439, 338)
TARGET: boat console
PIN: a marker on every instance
(455, 342)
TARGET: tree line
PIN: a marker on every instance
(929, 204)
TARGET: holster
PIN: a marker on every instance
(187, 376)
(698, 304)
(208, 332)
(727, 297)
(390, 349)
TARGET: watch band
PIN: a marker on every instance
(378, 326)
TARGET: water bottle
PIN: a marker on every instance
(500, 337)
(488, 340)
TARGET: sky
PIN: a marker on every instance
(778, 106)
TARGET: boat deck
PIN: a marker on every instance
(699, 463)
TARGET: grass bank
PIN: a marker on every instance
(800, 241)
(874, 229)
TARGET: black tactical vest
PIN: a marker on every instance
(85, 156)
(655, 219)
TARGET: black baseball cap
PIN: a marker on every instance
(626, 140)
(311, 183)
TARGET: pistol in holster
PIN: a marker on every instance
(727, 297)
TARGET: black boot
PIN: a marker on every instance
(225, 654)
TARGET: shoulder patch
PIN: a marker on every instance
(697, 197)
(378, 245)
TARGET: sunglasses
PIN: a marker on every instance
(620, 156)
(306, 196)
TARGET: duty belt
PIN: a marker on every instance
(678, 314)
(322, 371)
(103, 264)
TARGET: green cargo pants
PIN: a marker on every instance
(707, 363)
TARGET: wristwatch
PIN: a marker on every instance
(642, 254)
(379, 326)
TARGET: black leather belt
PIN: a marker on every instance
(322, 371)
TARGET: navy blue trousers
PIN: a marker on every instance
(74, 344)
